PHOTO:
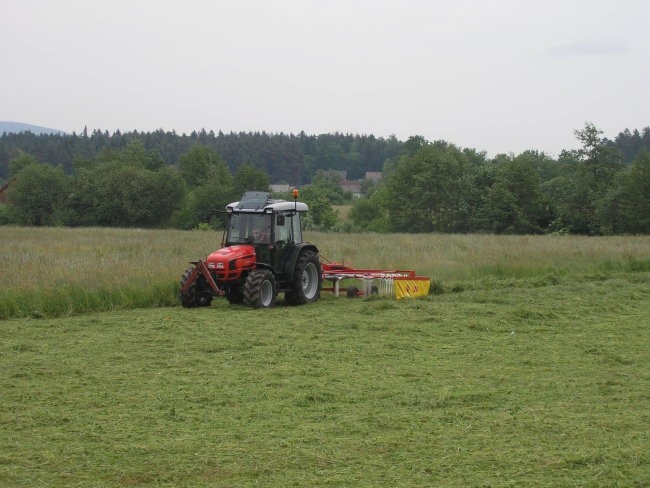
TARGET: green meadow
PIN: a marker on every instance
(529, 367)
(49, 272)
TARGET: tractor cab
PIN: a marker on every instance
(272, 227)
(257, 219)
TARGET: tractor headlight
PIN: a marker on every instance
(219, 265)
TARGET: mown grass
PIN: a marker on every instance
(541, 386)
(49, 272)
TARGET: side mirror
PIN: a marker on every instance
(279, 220)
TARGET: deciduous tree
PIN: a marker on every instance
(248, 177)
(626, 207)
(39, 195)
(425, 191)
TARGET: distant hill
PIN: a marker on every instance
(17, 127)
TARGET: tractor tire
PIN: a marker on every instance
(353, 292)
(307, 280)
(198, 294)
(260, 289)
(234, 294)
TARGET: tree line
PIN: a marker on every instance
(124, 180)
(286, 158)
(438, 187)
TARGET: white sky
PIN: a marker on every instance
(501, 76)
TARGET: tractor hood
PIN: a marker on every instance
(231, 257)
(229, 262)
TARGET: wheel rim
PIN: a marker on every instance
(266, 293)
(310, 281)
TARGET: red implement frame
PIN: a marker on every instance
(336, 272)
(201, 268)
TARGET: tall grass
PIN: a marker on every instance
(60, 271)
(473, 257)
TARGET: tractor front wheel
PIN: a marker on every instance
(198, 293)
(260, 289)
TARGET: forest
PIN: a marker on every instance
(163, 179)
(292, 159)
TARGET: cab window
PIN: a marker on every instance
(249, 228)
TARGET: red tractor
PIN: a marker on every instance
(262, 254)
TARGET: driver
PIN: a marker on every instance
(262, 232)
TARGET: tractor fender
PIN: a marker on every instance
(292, 259)
(266, 266)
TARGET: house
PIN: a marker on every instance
(373, 175)
(353, 187)
(281, 188)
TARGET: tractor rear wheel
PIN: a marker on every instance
(198, 294)
(307, 280)
(260, 289)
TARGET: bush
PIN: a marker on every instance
(345, 227)
(39, 195)
(7, 215)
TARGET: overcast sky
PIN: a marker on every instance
(502, 76)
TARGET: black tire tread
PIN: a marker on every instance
(194, 296)
(253, 287)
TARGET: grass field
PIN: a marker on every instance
(531, 369)
(543, 386)
(49, 272)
